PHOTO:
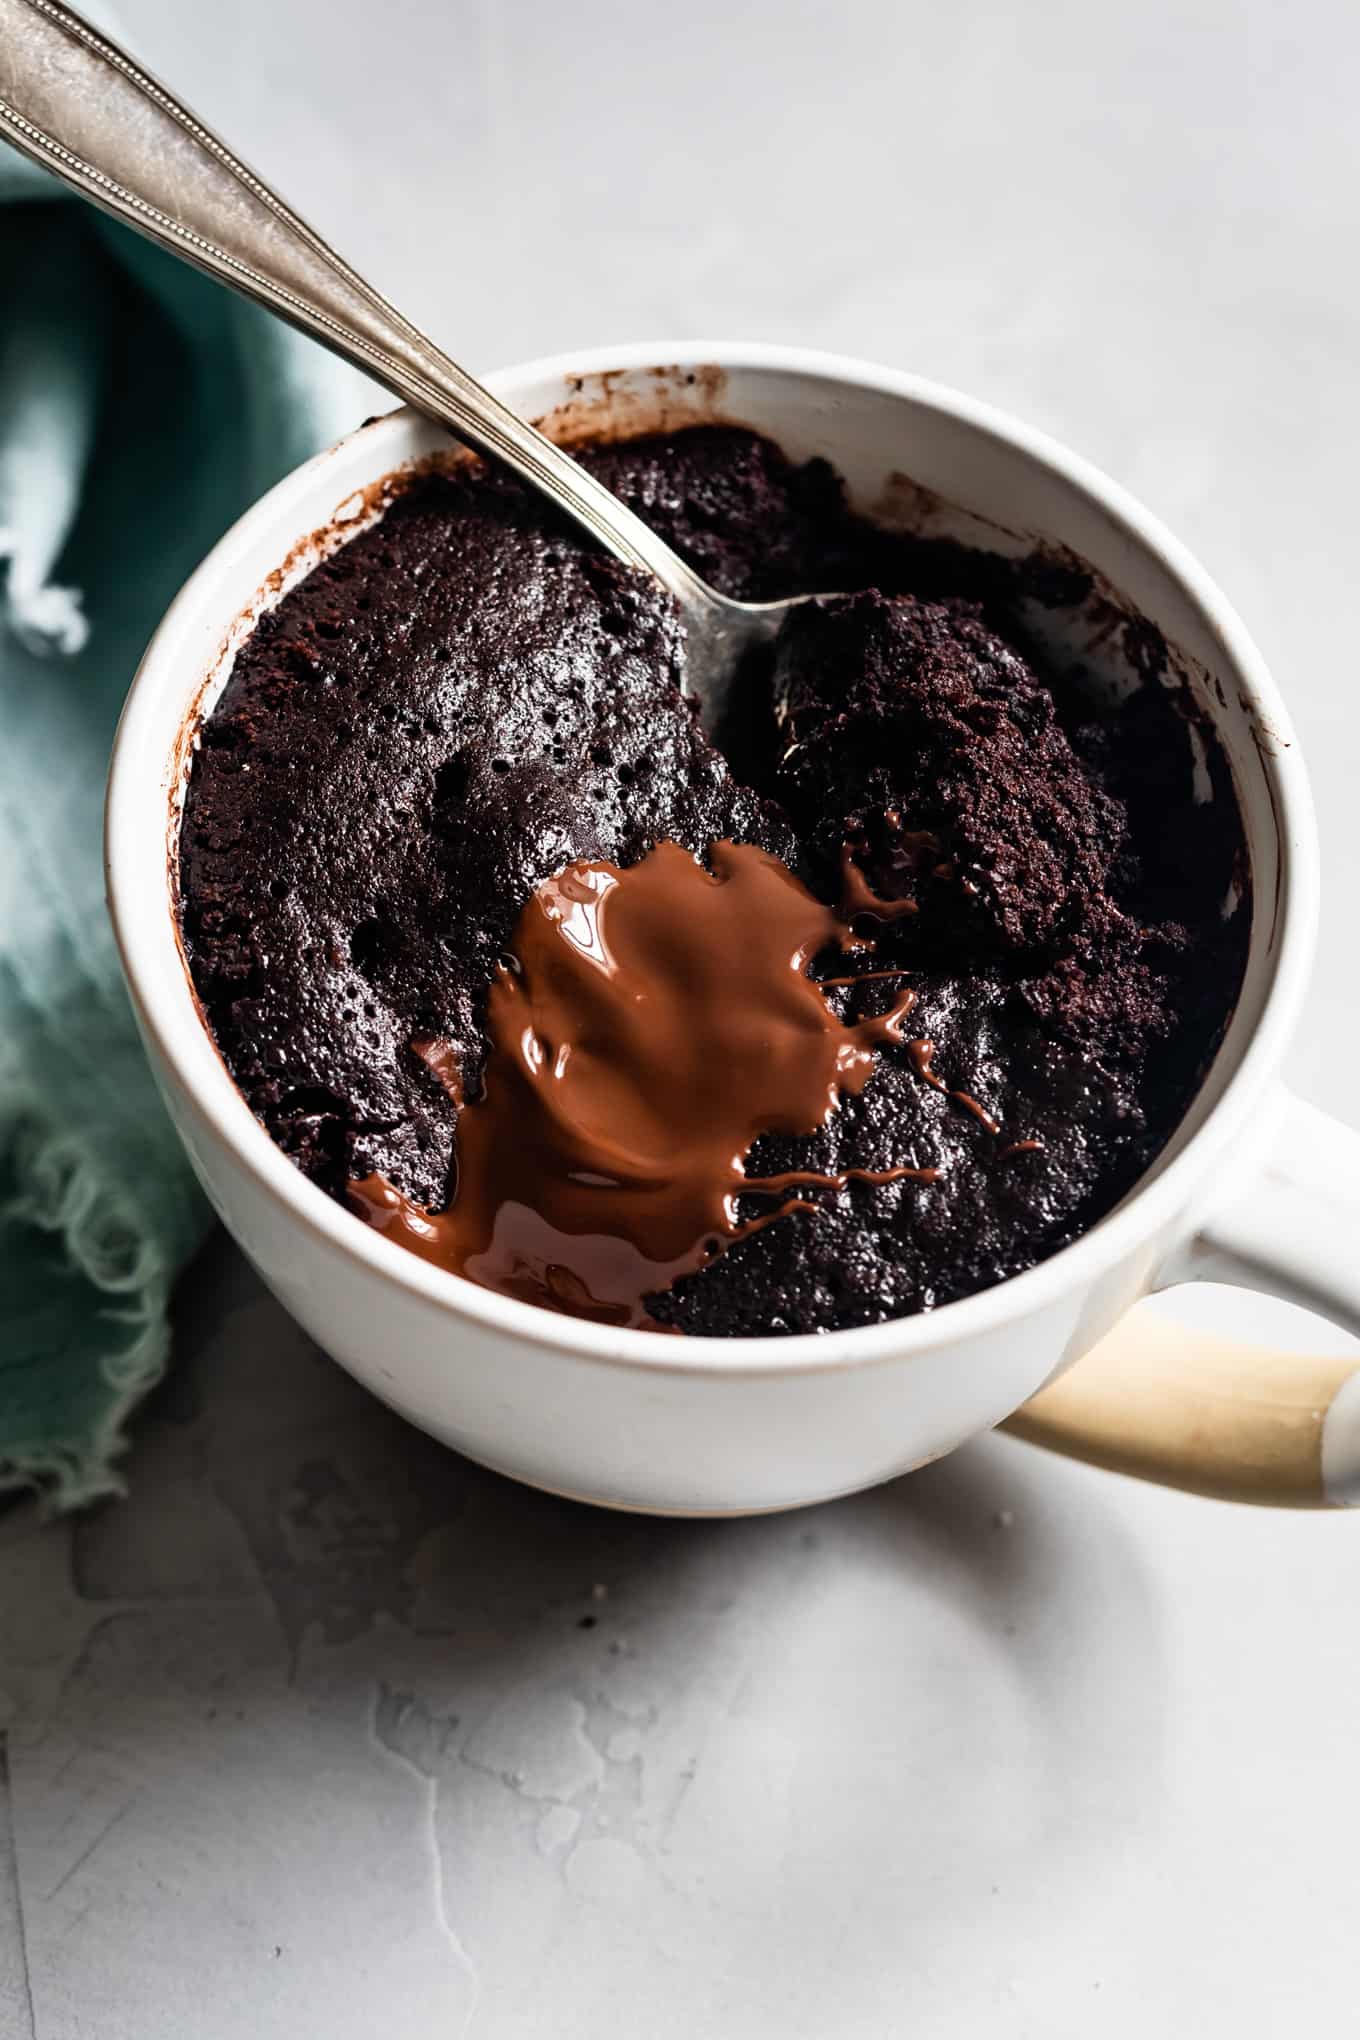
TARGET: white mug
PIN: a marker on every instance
(1255, 1187)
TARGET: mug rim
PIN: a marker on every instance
(168, 1011)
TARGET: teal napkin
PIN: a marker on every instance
(141, 408)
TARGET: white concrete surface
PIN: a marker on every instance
(325, 1734)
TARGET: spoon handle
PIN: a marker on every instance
(77, 105)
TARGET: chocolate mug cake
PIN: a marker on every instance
(883, 997)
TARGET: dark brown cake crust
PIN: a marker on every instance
(466, 698)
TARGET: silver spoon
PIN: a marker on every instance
(74, 103)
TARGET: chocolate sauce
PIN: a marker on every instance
(858, 896)
(648, 1026)
(910, 852)
(440, 1058)
(922, 1055)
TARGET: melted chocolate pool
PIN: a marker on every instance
(504, 952)
(649, 1025)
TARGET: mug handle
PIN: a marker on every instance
(1212, 1415)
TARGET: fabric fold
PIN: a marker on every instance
(142, 408)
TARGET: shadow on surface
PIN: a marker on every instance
(795, 1754)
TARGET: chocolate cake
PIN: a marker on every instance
(1030, 897)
